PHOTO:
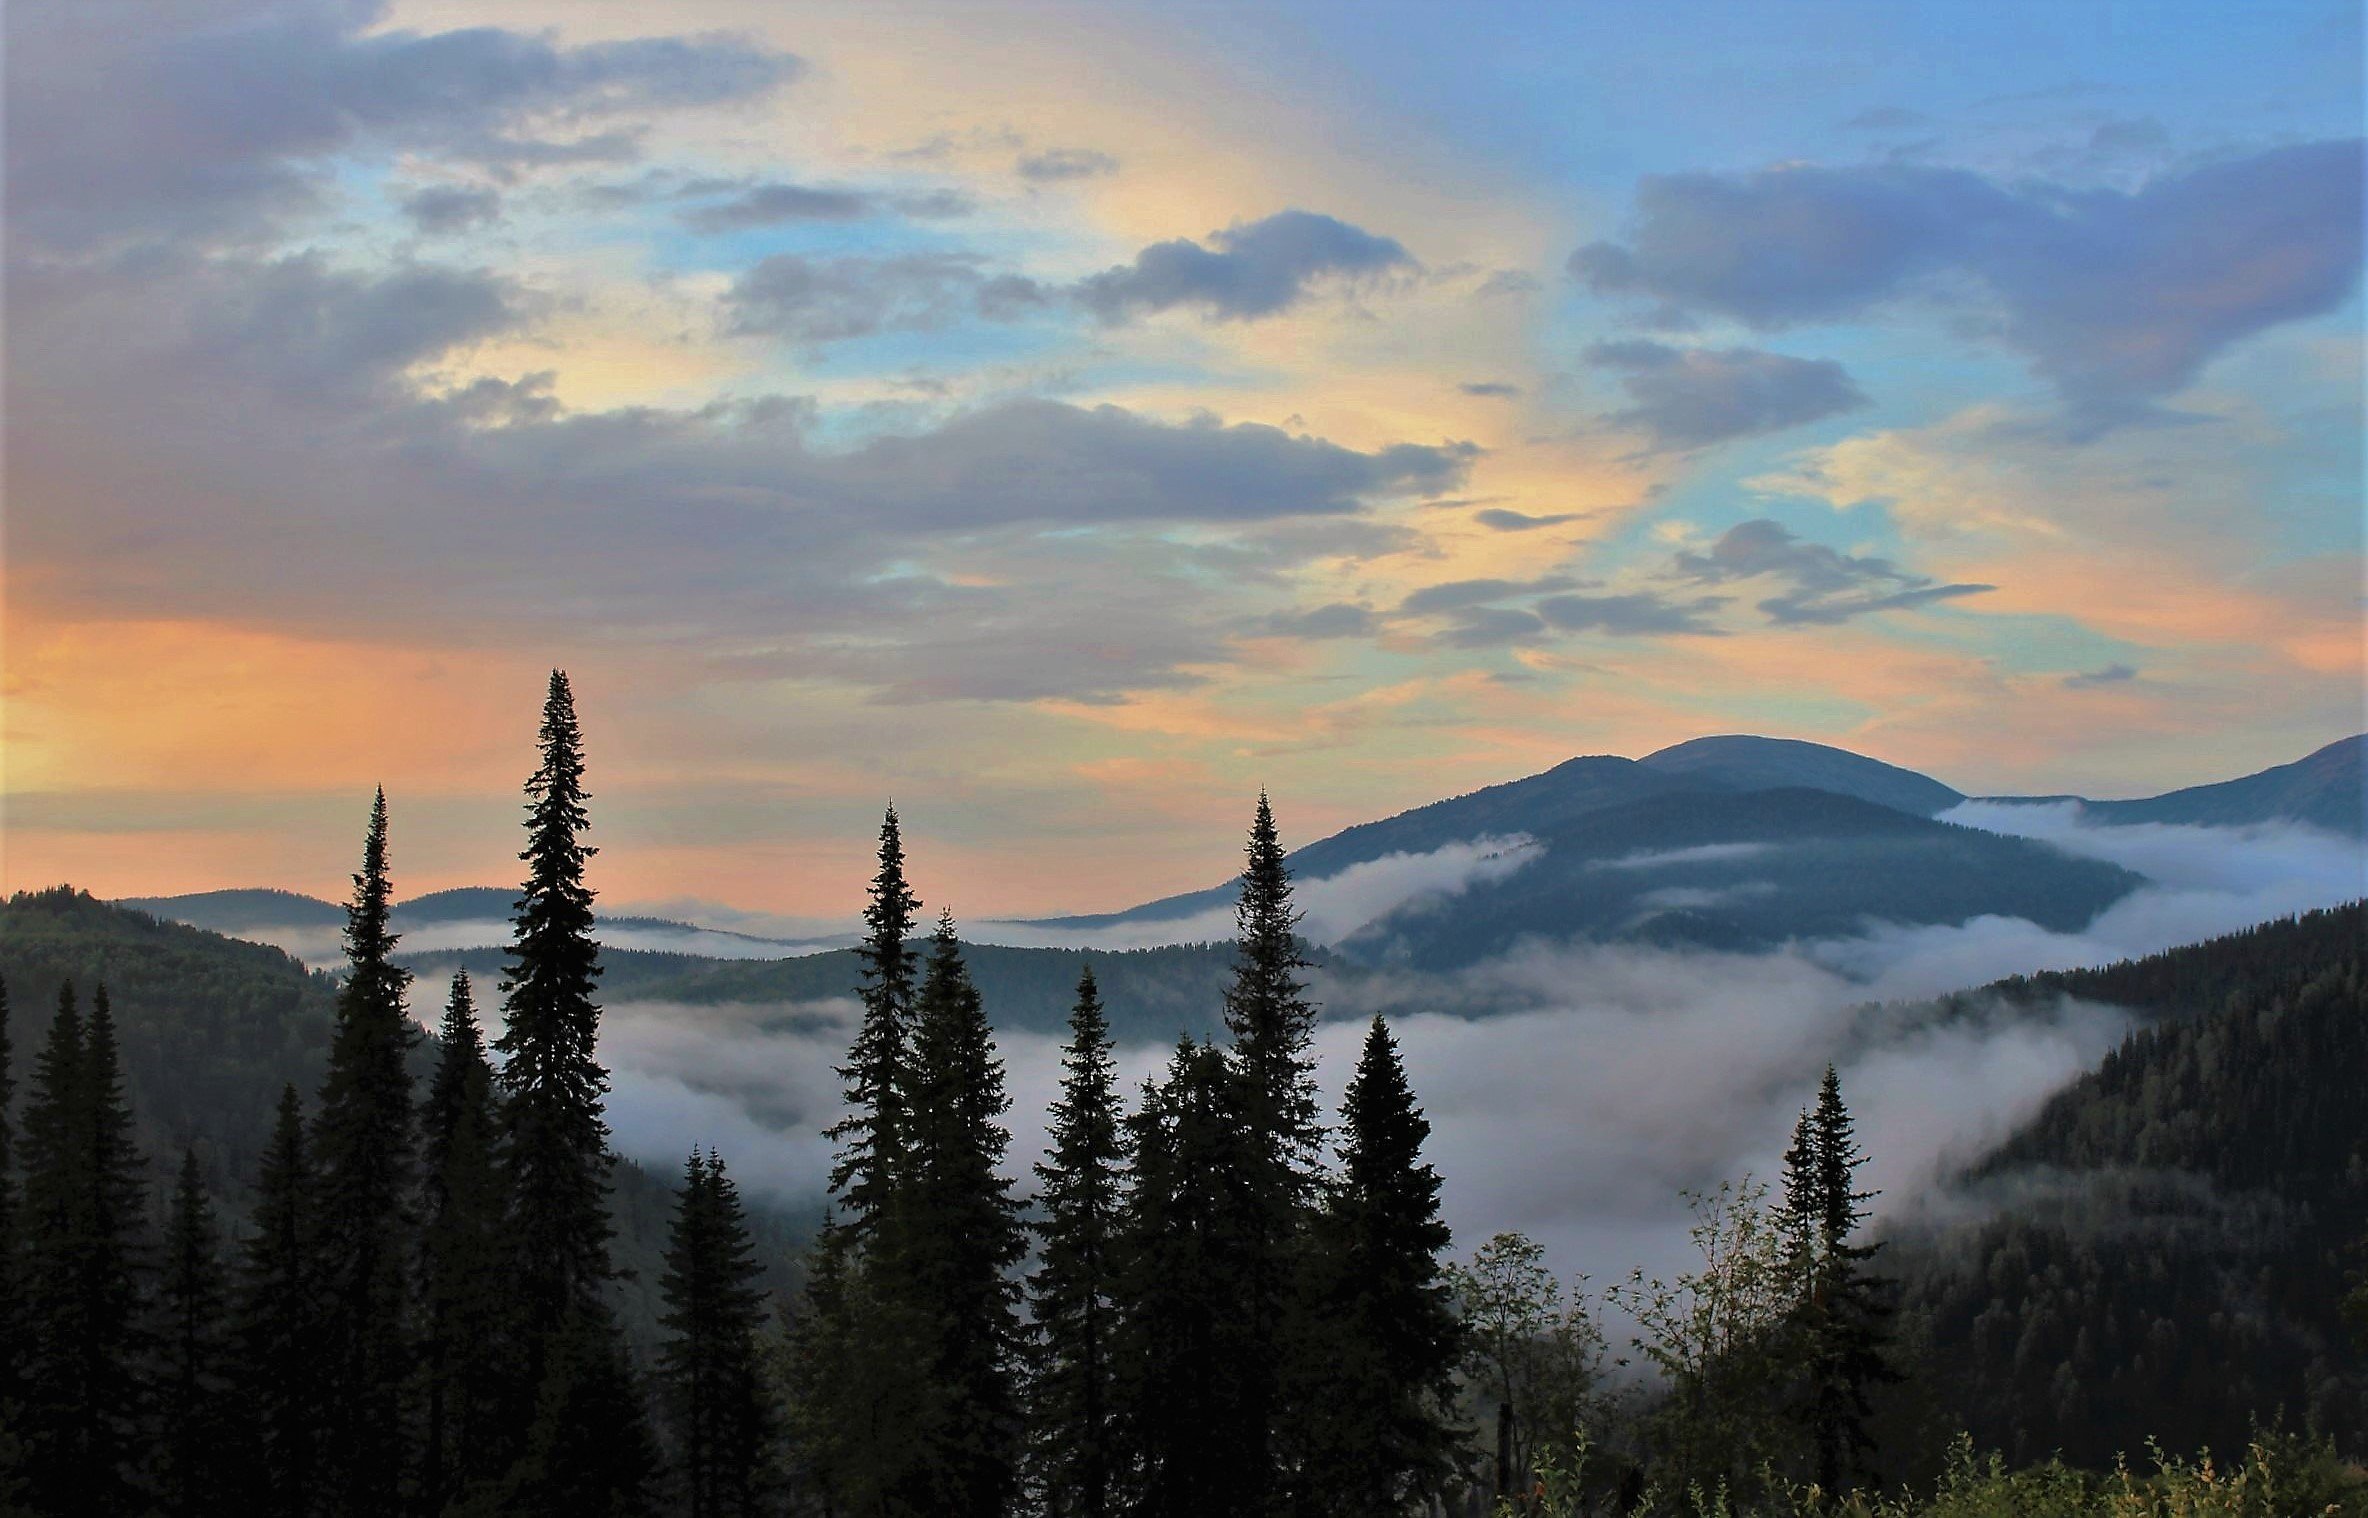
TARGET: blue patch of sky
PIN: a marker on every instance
(1600, 93)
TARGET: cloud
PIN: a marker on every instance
(1492, 627)
(1334, 906)
(316, 333)
(2118, 297)
(1336, 619)
(219, 121)
(1687, 398)
(1499, 519)
(1244, 272)
(327, 477)
(451, 208)
(822, 300)
(1455, 594)
(1060, 165)
(2111, 674)
(1638, 614)
(1490, 389)
(770, 205)
(1827, 586)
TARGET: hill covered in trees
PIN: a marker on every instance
(2163, 1250)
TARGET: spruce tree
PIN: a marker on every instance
(587, 1447)
(1190, 1425)
(1272, 1022)
(716, 1403)
(363, 1156)
(1373, 1369)
(84, 1217)
(871, 1137)
(1073, 1456)
(960, 1239)
(857, 1366)
(196, 1425)
(464, 1272)
(275, 1313)
(1843, 1317)
(555, 1135)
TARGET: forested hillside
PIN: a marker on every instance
(2164, 1246)
(212, 1028)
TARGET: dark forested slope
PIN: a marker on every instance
(2166, 1243)
(211, 1028)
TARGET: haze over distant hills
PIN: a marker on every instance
(1728, 842)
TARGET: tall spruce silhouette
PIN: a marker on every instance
(363, 1156)
(1373, 1368)
(587, 1447)
(1190, 1423)
(466, 1344)
(1844, 1312)
(553, 1088)
(1074, 1462)
(1271, 1020)
(197, 1429)
(275, 1309)
(716, 1402)
(858, 1370)
(83, 1224)
(960, 1242)
(871, 1138)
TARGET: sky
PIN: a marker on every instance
(1065, 420)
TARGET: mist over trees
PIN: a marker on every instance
(405, 1296)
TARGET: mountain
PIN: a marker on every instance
(2325, 789)
(1743, 871)
(2160, 1251)
(1729, 842)
(1765, 764)
(308, 926)
(1782, 839)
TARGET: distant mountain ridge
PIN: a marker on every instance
(237, 912)
(1754, 894)
(1802, 840)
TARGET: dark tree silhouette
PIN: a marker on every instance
(1188, 1352)
(275, 1310)
(871, 1137)
(196, 1422)
(1073, 1458)
(721, 1421)
(587, 1447)
(466, 1343)
(1373, 1370)
(1844, 1315)
(83, 1217)
(958, 1241)
(1271, 1020)
(363, 1154)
